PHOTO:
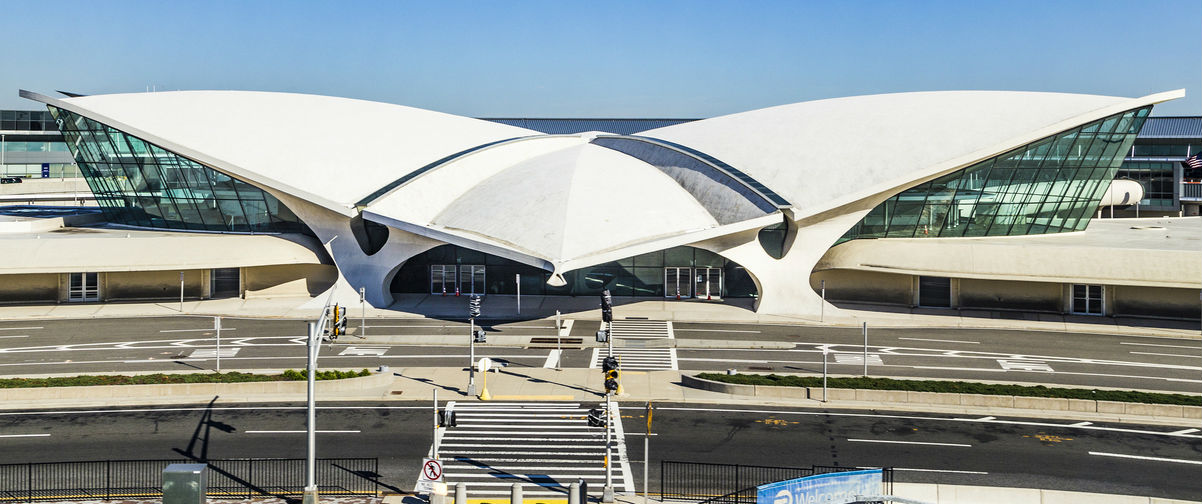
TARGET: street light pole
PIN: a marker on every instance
(310, 494)
(471, 357)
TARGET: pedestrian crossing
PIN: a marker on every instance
(855, 358)
(638, 359)
(547, 446)
(634, 354)
(209, 353)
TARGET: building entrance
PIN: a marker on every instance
(709, 282)
(84, 287)
(676, 283)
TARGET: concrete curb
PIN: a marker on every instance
(895, 397)
(192, 392)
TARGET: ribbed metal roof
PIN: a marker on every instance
(569, 126)
(1172, 127)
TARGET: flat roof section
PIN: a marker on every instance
(1153, 252)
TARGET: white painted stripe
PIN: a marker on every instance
(1159, 345)
(716, 330)
(942, 340)
(23, 435)
(522, 415)
(600, 451)
(223, 329)
(515, 460)
(1167, 354)
(20, 328)
(1081, 424)
(523, 445)
(525, 478)
(553, 358)
(16, 336)
(582, 428)
(924, 443)
(210, 408)
(984, 419)
(300, 431)
(578, 419)
(741, 361)
(491, 405)
(1184, 431)
(460, 467)
(1140, 457)
(520, 438)
(950, 368)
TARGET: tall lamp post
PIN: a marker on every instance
(313, 345)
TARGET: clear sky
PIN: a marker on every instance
(604, 59)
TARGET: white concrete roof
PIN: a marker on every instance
(72, 249)
(555, 198)
(824, 154)
(331, 151)
(1153, 252)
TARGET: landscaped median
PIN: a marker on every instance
(184, 387)
(952, 393)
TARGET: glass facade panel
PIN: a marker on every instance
(1049, 186)
(425, 272)
(137, 183)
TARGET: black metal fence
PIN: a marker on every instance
(227, 478)
(733, 483)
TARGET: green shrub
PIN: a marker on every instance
(958, 387)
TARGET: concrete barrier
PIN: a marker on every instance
(946, 399)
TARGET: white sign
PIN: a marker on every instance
(431, 470)
(484, 364)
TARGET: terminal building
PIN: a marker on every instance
(954, 200)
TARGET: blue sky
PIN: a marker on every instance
(605, 59)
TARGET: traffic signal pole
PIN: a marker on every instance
(471, 357)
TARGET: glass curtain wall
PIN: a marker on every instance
(1052, 185)
(138, 183)
(641, 275)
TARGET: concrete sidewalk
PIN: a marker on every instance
(497, 307)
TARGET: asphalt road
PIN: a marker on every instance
(1128, 459)
(183, 343)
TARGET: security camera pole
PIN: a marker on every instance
(473, 311)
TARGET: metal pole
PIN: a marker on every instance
(311, 415)
(609, 338)
(824, 349)
(217, 326)
(607, 494)
(363, 315)
(866, 349)
(822, 310)
(181, 292)
(517, 278)
(558, 341)
(435, 444)
(471, 357)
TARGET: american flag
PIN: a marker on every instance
(1194, 161)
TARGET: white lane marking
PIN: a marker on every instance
(924, 443)
(1081, 424)
(522, 460)
(1184, 431)
(843, 358)
(301, 432)
(620, 435)
(1141, 457)
(717, 330)
(523, 445)
(952, 471)
(210, 329)
(523, 452)
(931, 418)
(20, 328)
(353, 350)
(214, 408)
(1167, 354)
(942, 340)
(553, 358)
(1160, 345)
(452, 467)
(952, 368)
(209, 353)
(23, 435)
(986, 419)
(1024, 365)
(16, 336)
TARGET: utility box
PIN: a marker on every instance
(184, 484)
(602, 336)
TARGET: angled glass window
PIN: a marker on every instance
(1049, 186)
(138, 183)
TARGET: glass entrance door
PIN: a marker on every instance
(83, 287)
(935, 292)
(471, 279)
(225, 283)
(676, 283)
(442, 279)
(709, 282)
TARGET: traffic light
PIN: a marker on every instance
(607, 306)
(339, 320)
(610, 367)
(446, 418)
(473, 307)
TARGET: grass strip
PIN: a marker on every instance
(958, 387)
(160, 378)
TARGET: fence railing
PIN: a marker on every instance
(1191, 190)
(733, 483)
(227, 478)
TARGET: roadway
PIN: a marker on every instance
(1129, 459)
(188, 343)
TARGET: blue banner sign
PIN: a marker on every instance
(832, 488)
(45, 170)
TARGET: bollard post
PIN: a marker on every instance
(573, 493)
(460, 493)
(515, 494)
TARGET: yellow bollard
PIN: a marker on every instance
(484, 395)
(620, 391)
